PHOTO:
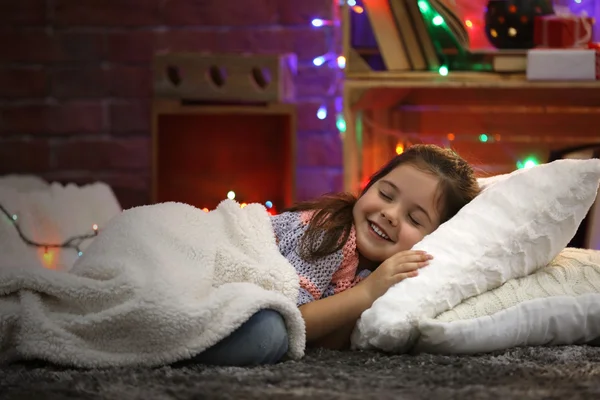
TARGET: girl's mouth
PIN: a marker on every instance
(378, 231)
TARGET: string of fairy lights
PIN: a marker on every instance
(73, 242)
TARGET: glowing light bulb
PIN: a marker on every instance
(80, 253)
(483, 138)
(322, 112)
(205, 209)
(443, 71)
(469, 23)
(231, 195)
(423, 6)
(243, 205)
(269, 204)
(14, 217)
(399, 148)
(438, 20)
(528, 163)
(358, 9)
(351, 3)
(48, 258)
(341, 62)
(340, 123)
(318, 61)
(451, 136)
(317, 22)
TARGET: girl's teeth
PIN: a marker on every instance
(379, 232)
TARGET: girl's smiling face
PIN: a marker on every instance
(396, 212)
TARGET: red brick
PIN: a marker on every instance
(130, 81)
(312, 183)
(131, 46)
(119, 13)
(308, 121)
(303, 12)
(307, 43)
(23, 83)
(30, 46)
(337, 180)
(24, 156)
(44, 47)
(68, 118)
(22, 12)
(82, 47)
(319, 150)
(200, 41)
(131, 117)
(80, 82)
(314, 81)
(102, 155)
(220, 13)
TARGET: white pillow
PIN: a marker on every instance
(512, 228)
(558, 304)
(549, 321)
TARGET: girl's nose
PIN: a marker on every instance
(391, 215)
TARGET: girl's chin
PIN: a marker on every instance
(370, 256)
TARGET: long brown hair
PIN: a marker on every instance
(331, 223)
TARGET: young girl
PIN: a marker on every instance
(348, 251)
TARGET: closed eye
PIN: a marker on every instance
(384, 195)
(414, 221)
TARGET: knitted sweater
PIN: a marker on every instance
(328, 275)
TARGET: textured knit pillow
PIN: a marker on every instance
(512, 228)
(557, 305)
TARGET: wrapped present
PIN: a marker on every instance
(581, 64)
(562, 31)
(596, 48)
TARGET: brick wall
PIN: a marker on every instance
(75, 82)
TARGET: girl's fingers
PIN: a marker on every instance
(405, 275)
(410, 266)
(411, 255)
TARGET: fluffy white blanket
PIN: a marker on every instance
(159, 284)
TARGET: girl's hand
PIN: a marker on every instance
(398, 267)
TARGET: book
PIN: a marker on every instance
(408, 35)
(453, 22)
(422, 34)
(386, 32)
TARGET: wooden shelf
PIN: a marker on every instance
(459, 79)
(368, 90)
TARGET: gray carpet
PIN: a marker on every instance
(571, 372)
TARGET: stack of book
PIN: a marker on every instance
(420, 35)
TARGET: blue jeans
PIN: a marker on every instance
(263, 339)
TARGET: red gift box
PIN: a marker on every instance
(596, 46)
(562, 31)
